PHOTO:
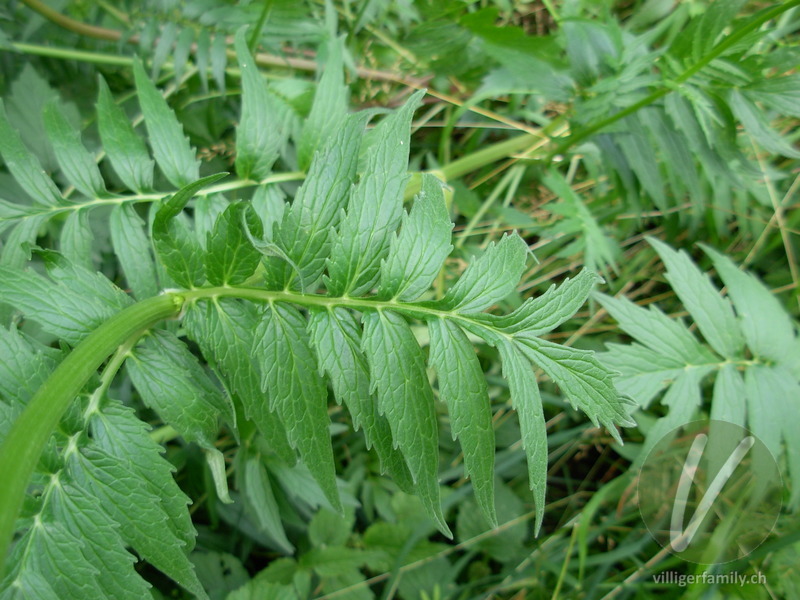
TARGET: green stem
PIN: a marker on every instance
(486, 156)
(221, 188)
(71, 54)
(20, 451)
(67, 23)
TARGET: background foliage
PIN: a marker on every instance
(653, 143)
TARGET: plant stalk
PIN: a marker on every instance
(20, 451)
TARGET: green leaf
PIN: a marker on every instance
(766, 418)
(544, 313)
(77, 164)
(30, 92)
(99, 541)
(10, 211)
(230, 258)
(78, 303)
(712, 24)
(329, 529)
(123, 495)
(83, 282)
(117, 431)
(376, 206)
(175, 157)
(528, 404)
(261, 588)
(25, 167)
(163, 48)
(172, 382)
(202, 55)
(583, 380)
(260, 501)
(730, 397)
(773, 416)
(297, 392)
(206, 211)
(225, 331)
(16, 250)
(23, 368)
(765, 324)
(31, 585)
(77, 239)
(656, 330)
(306, 227)
(329, 562)
(133, 250)
(490, 278)
(642, 372)
(177, 247)
(219, 60)
(463, 388)
(600, 250)
(417, 254)
(258, 139)
(756, 124)
(335, 335)
(219, 572)
(50, 552)
(183, 49)
(779, 93)
(125, 149)
(505, 544)
(397, 369)
(329, 108)
(712, 313)
(682, 400)
(641, 157)
(350, 579)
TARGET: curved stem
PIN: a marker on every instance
(76, 26)
(22, 447)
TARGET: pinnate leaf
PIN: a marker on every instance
(397, 368)
(297, 391)
(462, 387)
(172, 382)
(24, 165)
(171, 149)
(230, 257)
(376, 206)
(489, 278)
(257, 139)
(74, 159)
(176, 246)
(337, 338)
(417, 254)
(125, 149)
(329, 108)
(713, 313)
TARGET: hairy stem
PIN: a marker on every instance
(23, 445)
